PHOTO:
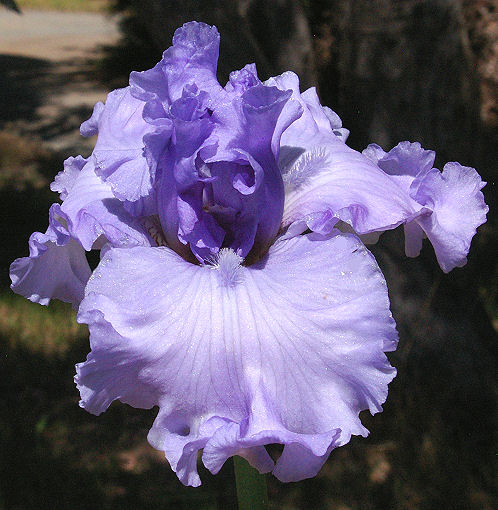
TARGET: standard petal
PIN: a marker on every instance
(242, 80)
(301, 132)
(249, 181)
(313, 124)
(119, 152)
(331, 182)
(55, 269)
(193, 58)
(458, 208)
(287, 350)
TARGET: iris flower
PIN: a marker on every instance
(234, 290)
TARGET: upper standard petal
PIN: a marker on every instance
(119, 155)
(248, 180)
(192, 59)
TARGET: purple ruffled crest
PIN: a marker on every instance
(193, 58)
(242, 80)
(219, 184)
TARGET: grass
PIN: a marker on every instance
(65, 5)
(40, 329)
(17, 152)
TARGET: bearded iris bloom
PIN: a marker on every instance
(234, 291)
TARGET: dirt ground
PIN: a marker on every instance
(48, 84)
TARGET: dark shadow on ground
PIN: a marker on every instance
(28, 84)
(23, 212)
(20, 81)
(56, 455)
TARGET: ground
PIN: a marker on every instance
(48, 61)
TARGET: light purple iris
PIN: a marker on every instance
(228, 294)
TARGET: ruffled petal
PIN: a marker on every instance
(180, 193)
(91, 126)
(407, 163)
(92, 210)
(331, 182)
(458, 208)
(119, 152)
(105, 374)
(242, 80)
(56, 267)
(64, 181)
(287, 350)
(182, 89)
(451, 203)
(314, 124)
(220, 182)
(305, 129)
(303, 454)
(193, 58)
(326, 181)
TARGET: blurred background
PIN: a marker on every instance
(418, 70)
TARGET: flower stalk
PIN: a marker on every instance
(252, 493)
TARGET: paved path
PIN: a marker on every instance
(46, 59)
(54, 35)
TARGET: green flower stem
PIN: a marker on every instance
(251, 486)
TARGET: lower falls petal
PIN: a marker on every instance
(290, 352)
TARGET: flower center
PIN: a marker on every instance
(228, 265)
